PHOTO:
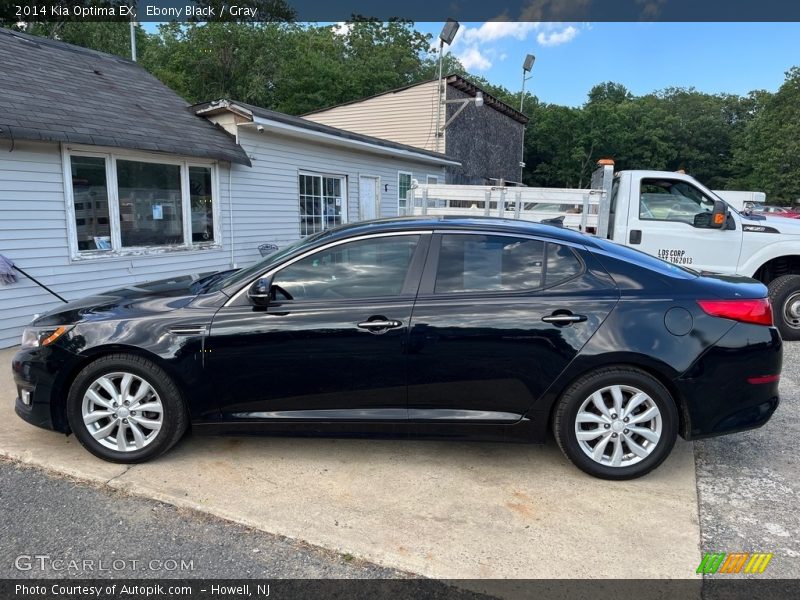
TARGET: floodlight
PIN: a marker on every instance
(449, 31)
(528, 64)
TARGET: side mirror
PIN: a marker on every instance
(259, 292)
(719, 215)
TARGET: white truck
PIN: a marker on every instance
(669, 215)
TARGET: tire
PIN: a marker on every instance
(784, 294)
(598, 427)
(91, 411)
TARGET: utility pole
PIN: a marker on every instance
(526, 68)
(445, 37)
(133, 38)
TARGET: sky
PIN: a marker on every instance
(731, 58)
(571, 58)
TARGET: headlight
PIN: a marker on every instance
(33, 337)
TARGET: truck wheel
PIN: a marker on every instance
(784, 294)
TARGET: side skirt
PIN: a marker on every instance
(524, 430)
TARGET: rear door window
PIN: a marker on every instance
(488, 263)
(470, 263)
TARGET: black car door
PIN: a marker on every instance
(331, 342)
(497, 319)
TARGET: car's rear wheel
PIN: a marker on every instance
(784, 295)
(125, 409)
(616, 423)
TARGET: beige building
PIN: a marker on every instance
(487, 140)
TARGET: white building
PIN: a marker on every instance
(108, 179)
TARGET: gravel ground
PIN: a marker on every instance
(749, 483)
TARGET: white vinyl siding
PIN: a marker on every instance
(34, 220)
(33, 234)
(266, 207)
(407, 116)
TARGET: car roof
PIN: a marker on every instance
(487, 224)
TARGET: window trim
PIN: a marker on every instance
(111, 156)
(410, 185)
(428, 176)
(237, 293)
(427, 285)
(345, 196)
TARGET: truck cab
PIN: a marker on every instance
(676, 218)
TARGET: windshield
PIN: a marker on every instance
(229, 278)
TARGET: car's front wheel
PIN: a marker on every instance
(616, 423)
(125, 409)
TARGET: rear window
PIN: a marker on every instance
(646, 260)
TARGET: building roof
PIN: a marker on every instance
(454, 80)
(288, 123)
(57, 92)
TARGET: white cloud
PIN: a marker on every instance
(496, 30)
(342, 28)
(472, 58)
(556, 38)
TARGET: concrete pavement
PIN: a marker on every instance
(439, 509)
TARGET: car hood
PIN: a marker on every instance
(141, 299)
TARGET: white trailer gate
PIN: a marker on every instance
(582, 209)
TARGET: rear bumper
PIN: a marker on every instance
(727, 389)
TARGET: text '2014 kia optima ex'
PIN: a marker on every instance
(446, 327)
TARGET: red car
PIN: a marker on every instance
(774, 211)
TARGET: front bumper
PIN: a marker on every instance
(719, 390)
(36, 376)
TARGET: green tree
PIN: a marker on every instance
(769, 155)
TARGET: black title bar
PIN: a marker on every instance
(415, 10)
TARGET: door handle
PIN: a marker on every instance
(380, 324)
(564, 319)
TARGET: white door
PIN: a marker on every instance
(368, 198)
(669, 219)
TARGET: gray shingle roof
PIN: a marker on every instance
(57, 92)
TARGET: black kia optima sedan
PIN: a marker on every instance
(443, 327)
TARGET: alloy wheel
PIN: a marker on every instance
(122, 411)
(618, 426)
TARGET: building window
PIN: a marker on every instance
(322, 202)
(202, 203)
(121, 203)
(90, 195)
(432, 179)
(150, 204)
(403, 187)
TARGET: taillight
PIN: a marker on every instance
(756, 311)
